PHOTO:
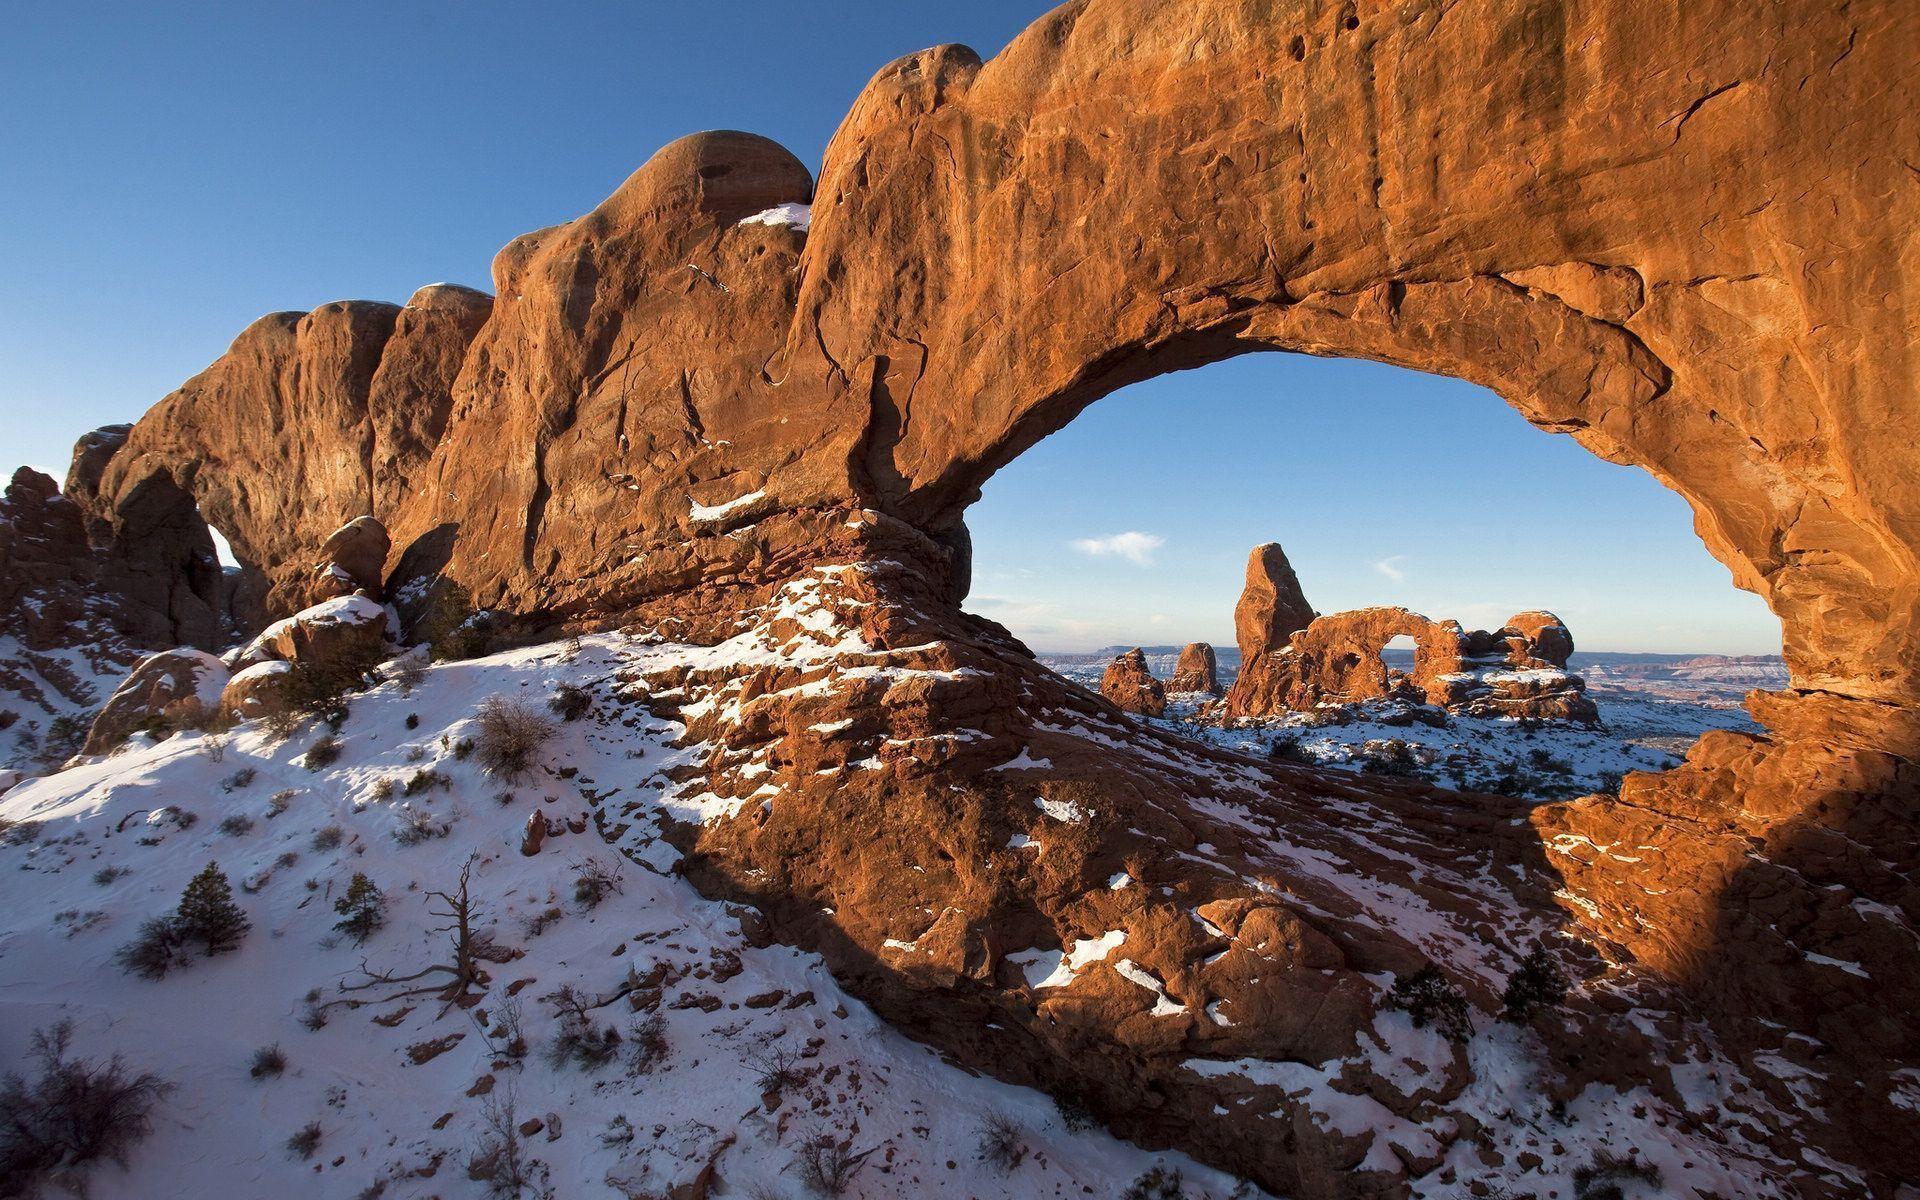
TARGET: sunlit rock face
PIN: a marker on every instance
(1672, 232)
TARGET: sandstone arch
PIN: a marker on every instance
(1679, 233)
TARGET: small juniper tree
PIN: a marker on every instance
(207, 913)
(1431, 999)
(362, 909)
(1538, 984)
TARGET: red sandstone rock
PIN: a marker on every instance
(1624, 224)
(1131, 686)
(352, 560)
(178, 688)
(343, 629)
(1272, 608)
(1196, 671)
(256, 691)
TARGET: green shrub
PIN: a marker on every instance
(362, 909)
(1431, 999)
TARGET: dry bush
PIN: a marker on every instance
(1000, 1144)
(593, 881)
(510, 735)
(500, 1160)
(305, 1140)
(55, 1126)
(579, 1041)
(268, 1062)
(828, 1165)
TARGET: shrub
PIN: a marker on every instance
(1601, 1178)
(777, 1069)
(593, 881)
(413, 720)
(451, 627)
(646, 1043)
(463, 750)
(317, 685)
(362, 909)
(1544, 761)
(1537, 984)
(238, 779)
(153, 952)
(305, 1140)
(503, 1036)
(268, 1061)
(106, 875)
(578, 1041)
(1000, 1144)
(236, 825)
(498, 1160)
(510, 735)
(1390, 756)
(207, 913)
(418, 825)
(70, 1114)
(328, 838)
(287, 858)
(1156, 1184)
(323, 753)
(382, 789)
(1430, 999)
(570, 702)
(280, 802)
(1077, 1117)
(828, 1165)
(425, 780)
(65, 736)
(1287, 748)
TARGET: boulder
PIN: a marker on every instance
(346, 627)
(180, 688)
(1196, 672)
(1131, 686)
(255, 691)
(353, 559)
(1536, 639)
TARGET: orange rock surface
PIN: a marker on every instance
(1680, 234)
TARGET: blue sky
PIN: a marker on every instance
(174, 172)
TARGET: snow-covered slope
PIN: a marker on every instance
(401, 1091)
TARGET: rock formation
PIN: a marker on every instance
(352, 560)
(1196, 672)
(1271, 608)
(170, 690)
(1130, 685)
(1672, 232)
(1293, 661)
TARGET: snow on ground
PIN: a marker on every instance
(1643, 728)
(400, 1090)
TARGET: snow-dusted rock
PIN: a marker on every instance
(181, 687)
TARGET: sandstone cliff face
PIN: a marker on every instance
(1673, 232)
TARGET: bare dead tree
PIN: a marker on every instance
(454, 982)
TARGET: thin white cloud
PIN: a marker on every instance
(1391, 569)
(1134, 546)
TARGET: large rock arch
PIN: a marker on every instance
(1681, 234)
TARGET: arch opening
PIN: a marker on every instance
(1389, 489)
